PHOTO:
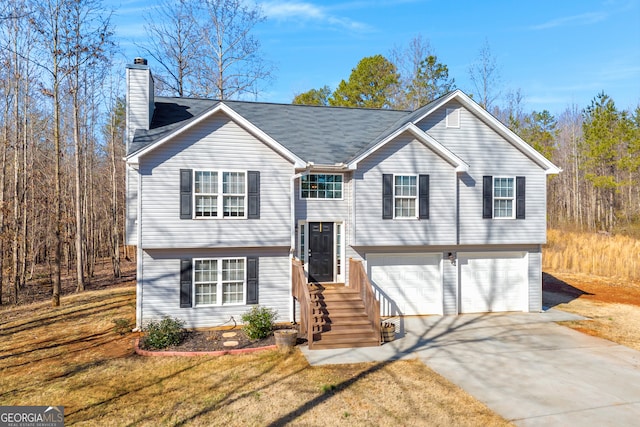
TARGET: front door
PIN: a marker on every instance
(320, 255)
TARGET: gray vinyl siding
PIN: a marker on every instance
(488, 153)
(131, 227)
(535, 280)
(161, 286)
(217, 144)
(404, 156)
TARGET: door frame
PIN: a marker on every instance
(339, 263)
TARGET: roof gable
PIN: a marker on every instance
(490, 121)
(421, 136)
(178, 126)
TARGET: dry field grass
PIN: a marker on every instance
(72, 356)
(596, 254)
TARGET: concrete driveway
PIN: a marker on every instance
(523, 366)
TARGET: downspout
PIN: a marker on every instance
(292, 249)
(292, 187)
(139, 272)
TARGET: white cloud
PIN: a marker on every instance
(582, 19)
(299, 11)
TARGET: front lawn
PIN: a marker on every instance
(72, 356)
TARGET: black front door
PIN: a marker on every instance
(320, 252)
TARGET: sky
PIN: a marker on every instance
(556, 53)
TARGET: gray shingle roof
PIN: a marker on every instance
(322, 135)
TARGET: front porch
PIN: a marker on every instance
(335, 315)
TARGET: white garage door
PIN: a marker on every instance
(406, 284)
(492, 282)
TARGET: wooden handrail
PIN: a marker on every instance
(359, 281)
(300, 291)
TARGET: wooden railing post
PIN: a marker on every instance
(300, 291)
(359, 281)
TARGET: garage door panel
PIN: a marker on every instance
(406, 284)
(492, 282)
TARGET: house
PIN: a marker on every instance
(444, 206)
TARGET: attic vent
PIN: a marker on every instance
(140, 61)
(453, 117)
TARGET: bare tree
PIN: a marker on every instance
(232, 65)
(485, 76)
(407, 61)
(88, 35)
(173, 41)
(49, 20)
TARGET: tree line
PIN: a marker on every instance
(597, 146)
(62, 119)
(61, 143)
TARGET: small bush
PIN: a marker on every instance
(164, 333)
(258, 322)
(121, 326)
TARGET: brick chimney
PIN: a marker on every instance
(139, 97)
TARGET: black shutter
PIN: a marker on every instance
(387, 196)
(185, 193)
(253, 192)
(520, 197)
(487, 197)
(185, 283)
(252, 280)
(423, 196)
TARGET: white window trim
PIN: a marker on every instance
(494, 198)
(452, 112)
(415, 198)
(220, 195)
(324, 198)
(219, 286)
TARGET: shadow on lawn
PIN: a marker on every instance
(556, 291)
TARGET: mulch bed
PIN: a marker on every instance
(212, 340)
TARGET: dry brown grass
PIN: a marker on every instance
(592, 253)
(71, 356)
(612, 307)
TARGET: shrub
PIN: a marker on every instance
(121, 326)
(164, 333)
(258, 322)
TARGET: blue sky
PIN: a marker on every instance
(557, 53)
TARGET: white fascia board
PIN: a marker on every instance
(423, 137)
(246, 124)
(496, 125)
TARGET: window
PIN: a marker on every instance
(321, 186)
(233, 194)
(405, 194)
(214, 195)
(219, 281)
(503, 197)
(206, 193)
(303, 243)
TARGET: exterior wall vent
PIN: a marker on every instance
(453, 118)
(140, 61)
